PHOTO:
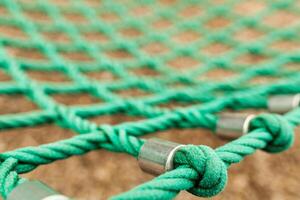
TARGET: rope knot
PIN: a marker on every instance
(280, 129)
(212, 171)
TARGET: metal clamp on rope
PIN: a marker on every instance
(233, 125)
(35, 190)
(283, 103)
(156, 156)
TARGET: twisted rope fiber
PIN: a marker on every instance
(136, 129)
(202, 171)
(192, 161)
(199, 169)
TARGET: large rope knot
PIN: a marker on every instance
(280, 129)
(212, 171)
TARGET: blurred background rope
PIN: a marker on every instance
(199, 169)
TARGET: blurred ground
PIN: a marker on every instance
(101, 174)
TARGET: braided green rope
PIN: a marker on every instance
(199, 169)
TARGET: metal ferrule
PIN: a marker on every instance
(35, 190)
(283, 103)
(156, 156)
(233, 125)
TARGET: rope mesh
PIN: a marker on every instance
(174, 64)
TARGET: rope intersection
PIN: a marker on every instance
(199, 169)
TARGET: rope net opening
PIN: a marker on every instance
(110, 72)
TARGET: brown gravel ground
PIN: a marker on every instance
(101, 174)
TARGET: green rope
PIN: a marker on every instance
(202, 171)
(199, 169)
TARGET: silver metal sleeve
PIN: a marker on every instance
(283, 103)
(156, 156)
(233, 125)
(35, 190)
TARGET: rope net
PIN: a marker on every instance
(176, 64)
